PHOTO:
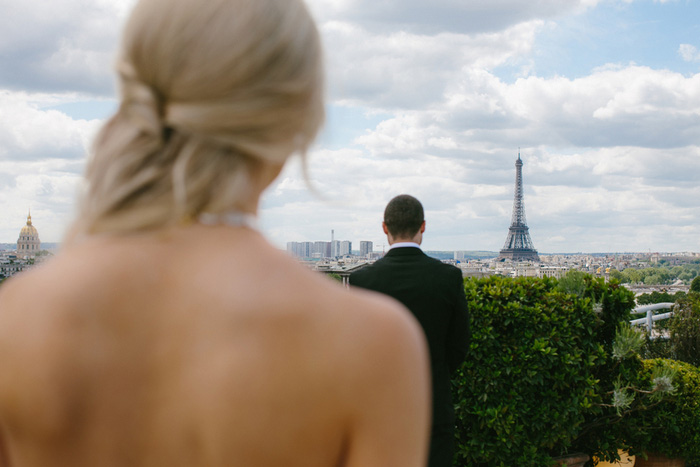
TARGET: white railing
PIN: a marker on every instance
(650, 316)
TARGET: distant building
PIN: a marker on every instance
(322, 250)
(292, 248)
(553, 271)
(366, 248)
(345, 248)
(300, 249)
(10, 264)
(307, 249)
(28, 243)
(335, 248)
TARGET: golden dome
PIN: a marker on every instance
(29, 229)
(28, 235)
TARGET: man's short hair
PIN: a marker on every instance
(403, 216)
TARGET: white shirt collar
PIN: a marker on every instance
(403, 245)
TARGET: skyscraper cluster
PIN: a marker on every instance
(332, 249)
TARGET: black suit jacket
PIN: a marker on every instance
(434, 292)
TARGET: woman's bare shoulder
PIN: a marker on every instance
(329, 300)
(381, 374)
(368, 325)
(59, 275)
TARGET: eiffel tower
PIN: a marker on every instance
(518, 245)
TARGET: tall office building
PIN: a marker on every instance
(366, 248)
(306, 249)
(300, 249)
(322, 250)
(335, 248)
(345, 248)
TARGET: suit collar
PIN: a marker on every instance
(404, 251)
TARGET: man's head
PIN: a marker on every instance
(404, 220)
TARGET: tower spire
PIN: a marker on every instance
(518, 246)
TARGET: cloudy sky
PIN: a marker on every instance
(435, 99)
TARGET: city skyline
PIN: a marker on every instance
(428, 99)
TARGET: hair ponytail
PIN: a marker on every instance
(208, 90)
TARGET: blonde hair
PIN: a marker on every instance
(210, 90)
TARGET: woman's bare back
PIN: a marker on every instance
(204, 346)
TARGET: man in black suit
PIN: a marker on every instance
(434, 292)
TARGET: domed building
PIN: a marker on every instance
(28, 243)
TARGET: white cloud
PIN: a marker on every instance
(629, 106)
(47, 188)
(409, 71)
(454, 16)
(689, 53)
(28, 132)
(611, 155)
(60, 45)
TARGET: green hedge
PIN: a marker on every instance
(529, 377)
(672, 427)
(604, 430)
(685, 329)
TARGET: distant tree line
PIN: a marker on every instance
(660, 274)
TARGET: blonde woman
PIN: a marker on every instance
(168, 332)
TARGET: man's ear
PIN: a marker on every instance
(385, 228)
(422, 227)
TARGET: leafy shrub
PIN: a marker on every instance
(612, 303)
(615, 307)
(620, 393)
(603, 431)
(685, 329)
(545, 374)
(695, 284)
(658, 297)
(657, 348)
(672, 425)
(529, 376)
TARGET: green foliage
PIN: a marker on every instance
(654, 279)
(553, 367)
(631, 276)
(617, 275)
(616, 305)
(628, 342)
(529, 377)
(670, 426)
(602, 433)
(655, 297)
(574, 283)
(695, 285)
(612, 303)
(658, 275)
(685, 329)
(615, 396)
(657, 348)
(687, 276)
